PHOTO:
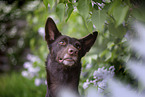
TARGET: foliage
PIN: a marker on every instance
(15, 85)
(110, 18)
(135, 68)
(14, 41)
(76, 18)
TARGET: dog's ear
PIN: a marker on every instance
(51, 31)
(88, 41)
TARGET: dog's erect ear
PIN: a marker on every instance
(88, 42)
(51, 31)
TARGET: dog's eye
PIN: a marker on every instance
(78, 46)
(62, 42)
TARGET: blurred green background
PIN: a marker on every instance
(23, 49)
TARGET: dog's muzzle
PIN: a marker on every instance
(68, 56)
(68, 60)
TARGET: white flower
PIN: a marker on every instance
(100, 73)
(88, 66)
(41, 31)
(95, 82)
(45, 82)
(33, 70)
(33, 58)
(38, 82)
(86, 84)
(100, 90)
(102, 84)
(101, 77)
(24, 73)
(111, 68)
(27, 65)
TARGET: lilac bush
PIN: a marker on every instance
(136, 68)
(100, 78)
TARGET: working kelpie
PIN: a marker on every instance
(63, 64)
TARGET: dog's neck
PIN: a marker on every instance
(59, 77)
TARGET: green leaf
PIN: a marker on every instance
(69, 10)
(120, 13)
(61, 1)
(115, 4)
(32, 44)
(117, 31)
(83, 8)
(108, 56)
(102, 54)
(60, 10)
(139, 14)
(98, 19)
(45, 3)
(51, 2)
(90, 26)
(110, 45)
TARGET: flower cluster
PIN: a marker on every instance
(100, 78)
(31, 71)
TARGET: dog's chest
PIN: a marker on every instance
(61, 75)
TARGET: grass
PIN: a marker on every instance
(15, 85)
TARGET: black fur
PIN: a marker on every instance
(63, 64)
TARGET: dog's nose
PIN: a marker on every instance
(72, 51)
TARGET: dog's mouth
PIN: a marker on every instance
(67, 61)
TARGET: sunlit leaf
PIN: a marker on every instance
(103, 53)
(98, 19)
(90, 26)
(108, 56)
(69, 10)
(115, 4)
(51, 2)
(83, 8)
(110, 45)
(60, 10)
(32, 43)
(120, 13)
(46, 3)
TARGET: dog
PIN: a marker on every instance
(63, 64)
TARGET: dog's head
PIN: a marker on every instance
(64, 49)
